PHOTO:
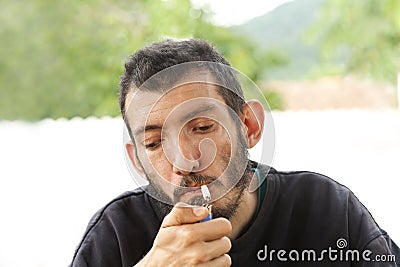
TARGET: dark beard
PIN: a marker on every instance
(230, 202)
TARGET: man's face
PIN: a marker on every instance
(186, 138)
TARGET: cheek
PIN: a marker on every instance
(155, 158)
(158, 164)
(224, 143)
(158, 169)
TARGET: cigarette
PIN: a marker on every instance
(205, 192)
(207, 197)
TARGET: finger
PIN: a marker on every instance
(214, 249)
(184, 214)
(196, 233)
(213, 229)
(222, 261)
(201, 252)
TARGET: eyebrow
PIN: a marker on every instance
(192, 114)
(147, 128)
(185, 118)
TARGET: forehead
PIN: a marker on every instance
(153, 108)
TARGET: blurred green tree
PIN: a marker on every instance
(365, 34)
(64, 58)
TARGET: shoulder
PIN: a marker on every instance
(132, 207)
(307, 177)
(129, 201)
(127, 217)
(329, 201)
(308, 184)
(316, 191)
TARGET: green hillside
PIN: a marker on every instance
(283, 28)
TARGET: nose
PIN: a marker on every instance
(181, 170)
(186, 156)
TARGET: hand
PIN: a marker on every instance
(183, 241)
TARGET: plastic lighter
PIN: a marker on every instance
(209, 216)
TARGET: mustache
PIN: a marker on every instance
(193, 179)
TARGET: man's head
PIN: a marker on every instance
(189, 123)
(156, 57)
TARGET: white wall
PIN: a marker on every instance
(54, 175)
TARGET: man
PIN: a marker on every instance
(190, 126)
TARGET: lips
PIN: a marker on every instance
(190, 189)
(191, 183)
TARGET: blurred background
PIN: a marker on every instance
(328, 68)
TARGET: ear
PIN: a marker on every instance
(131, 150)
(253, 118)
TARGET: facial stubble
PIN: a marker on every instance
(228, 204)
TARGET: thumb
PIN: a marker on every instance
(182, 213)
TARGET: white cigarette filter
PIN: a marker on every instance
(205, 192)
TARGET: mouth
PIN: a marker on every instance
(191, 190)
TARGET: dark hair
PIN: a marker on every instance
(156, 57)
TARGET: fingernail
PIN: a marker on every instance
(198, 211)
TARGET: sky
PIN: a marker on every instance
(228, 12)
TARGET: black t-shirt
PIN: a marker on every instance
(306, 219)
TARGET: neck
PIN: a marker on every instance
(244, 214)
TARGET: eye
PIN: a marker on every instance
(152, 145)
(204, 128)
